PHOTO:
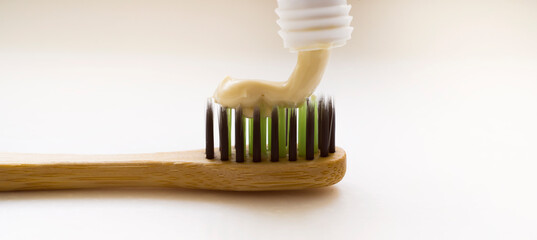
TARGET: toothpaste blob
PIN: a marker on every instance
(249, 94)
(309, 27)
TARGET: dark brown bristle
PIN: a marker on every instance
(274, 140)
(224, 143)
(292, 135)
(310, 130)
(324, 124)
(320, 122)
(332, 113)
(209, 131)
(239, 136)
(257, 136)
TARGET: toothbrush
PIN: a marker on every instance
(197, 169)
(307, 26)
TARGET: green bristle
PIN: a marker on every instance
(281, 131)
(251, 136)
(263, 136)
(287, 126)
(316, 131)
(229, 130)
(269, 132)
(302, 110)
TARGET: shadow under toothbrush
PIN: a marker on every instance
(291, 202)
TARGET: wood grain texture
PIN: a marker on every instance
(189, 169)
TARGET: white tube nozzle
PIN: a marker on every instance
(314, 24)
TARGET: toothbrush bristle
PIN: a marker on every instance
(317, 120)
(292, 135)
(239, 136)
(257, 136)
(332, 113)
(224, 143)
(209, 131)
(275, 144)
(310, 130)
(320, 122)
(324, 125)
(286, 125)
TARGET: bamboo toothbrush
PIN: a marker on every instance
(300, 152)
(200, 169)
(190, 169)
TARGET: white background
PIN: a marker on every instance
(437, 110)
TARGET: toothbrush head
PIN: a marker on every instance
(284, 135)
(292, 148)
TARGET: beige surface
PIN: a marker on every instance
(435, 100)
(188, 169)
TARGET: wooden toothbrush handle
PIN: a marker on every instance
(188, 169)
